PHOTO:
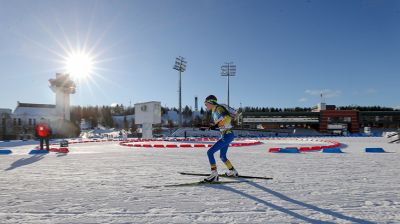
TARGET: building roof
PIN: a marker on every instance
(283, 113)
(35, 110)
(156, 102)
(34, 105)
(380, 113)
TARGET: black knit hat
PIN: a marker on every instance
(211, 99)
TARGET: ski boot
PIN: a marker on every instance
(213, 177)
(232, 173)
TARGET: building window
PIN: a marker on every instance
(339, 119)
(34, 122)
(30, 122)
(15, 122)
(19, 121)
(347, 119)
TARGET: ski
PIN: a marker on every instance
(223, 175)
(394, 141)
(198, 183)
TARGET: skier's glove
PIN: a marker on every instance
(213, 127)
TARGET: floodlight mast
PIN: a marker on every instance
(228, 69)
(180, 65)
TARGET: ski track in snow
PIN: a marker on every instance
(104, 183)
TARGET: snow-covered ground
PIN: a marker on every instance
(105, 183)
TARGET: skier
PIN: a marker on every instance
(43, 132)
(222, 121)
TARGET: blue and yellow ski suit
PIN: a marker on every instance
(223, 120)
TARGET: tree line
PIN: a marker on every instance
(103, 114)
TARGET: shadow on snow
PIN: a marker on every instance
(291, 200)
(25, 161)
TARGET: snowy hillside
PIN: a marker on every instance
(106, 183)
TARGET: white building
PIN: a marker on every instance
(29, 113)
(26, 115)
(146, 115)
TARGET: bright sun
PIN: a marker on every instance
(79, 65)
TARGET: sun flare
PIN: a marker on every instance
(79, 64)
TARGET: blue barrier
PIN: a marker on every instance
(5, 151)
(332, 150)
(289, 150)
(36, 151)
(374, 150)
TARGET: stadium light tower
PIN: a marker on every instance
(180, 65)
(228, 69)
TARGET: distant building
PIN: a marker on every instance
(323, 106)
(119, 121)
(26, 115)
(85, 125)
(196, 114)
(170, 116)
(5, 122)
(323, 118)
(21, 123)
(5, 111)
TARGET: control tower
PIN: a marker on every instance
(63, 86)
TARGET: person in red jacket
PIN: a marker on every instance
(43, 132)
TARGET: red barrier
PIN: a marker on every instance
(171, 146)
(158, 146)
(316, 148)
(328, 146)
(303, 149)
(195, 143)
(185, 145)
(199, 145)
(274, 149)
(63, 150)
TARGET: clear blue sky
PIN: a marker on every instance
(286, 51)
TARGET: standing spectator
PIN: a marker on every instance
(43, 132)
